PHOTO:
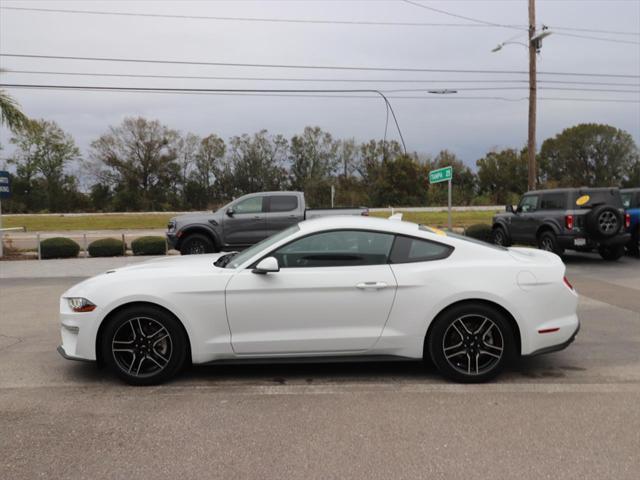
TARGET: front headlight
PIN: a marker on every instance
(79, 304)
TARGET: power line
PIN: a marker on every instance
(312, 21)
(312, 80)
(253, 19)
(305, 93)
(471, 19)
(312, 67)
(602, 39)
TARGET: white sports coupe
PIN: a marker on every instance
(327, 289)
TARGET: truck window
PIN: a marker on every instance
(626, 199)
(528, 204)
(283, 203)
(250, 205)
(553, 201)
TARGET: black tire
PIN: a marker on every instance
(611, 254)
(548, 241)
(149, 358)
(603, 221)
(454, 360)
(197, 243)
(500, 237)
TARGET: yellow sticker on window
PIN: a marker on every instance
(582, 200)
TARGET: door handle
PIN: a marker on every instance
(371, 285)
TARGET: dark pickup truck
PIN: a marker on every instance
(244, 222)
(581, 219)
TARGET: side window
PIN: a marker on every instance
(342, 248)
(407, 250)
(528, 204)
(250, 205)
(626, 200)
(553, 201)
(283, 203)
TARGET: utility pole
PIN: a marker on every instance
(533, 93)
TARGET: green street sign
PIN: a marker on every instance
(441, 175)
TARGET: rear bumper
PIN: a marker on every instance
(576, 241)
(555, 348)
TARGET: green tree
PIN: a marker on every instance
(138, 158)
(200, 191)
(502, 175)
(44, 149)
(255, 163)
(401, 183)
(313, 157)
(590, 155)
(10, 114)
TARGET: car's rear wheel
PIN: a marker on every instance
(197, 243)
(548, 241)
(500, 237)
(144, 345)
(471, 343)
(611, 253)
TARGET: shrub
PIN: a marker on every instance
(59, 247)
(106, 247)
(149, 246)
(480, 231)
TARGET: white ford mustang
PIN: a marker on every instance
(329, 288)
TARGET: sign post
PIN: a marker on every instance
(443, 175)
(5, 192)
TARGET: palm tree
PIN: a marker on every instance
(10, 113)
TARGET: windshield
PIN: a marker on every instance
(239, 258)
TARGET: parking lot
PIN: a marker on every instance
(570, 414)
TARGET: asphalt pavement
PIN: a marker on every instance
(570, 414)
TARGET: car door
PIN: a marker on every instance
(282, 212)
(523, 222)
(333, 293)
(246, 224)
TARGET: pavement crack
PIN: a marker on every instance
(16, 340)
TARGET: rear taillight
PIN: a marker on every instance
(627, 220)
(568, 221)
(567, 283)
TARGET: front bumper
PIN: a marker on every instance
(173, 240)
(69, 357)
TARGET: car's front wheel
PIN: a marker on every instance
(471, 342)
(144, 345)
(500, 237)
(611, 253)
(196, 244)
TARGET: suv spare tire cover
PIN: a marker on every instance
(603, 221)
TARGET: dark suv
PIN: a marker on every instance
(582, 219)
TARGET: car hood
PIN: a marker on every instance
(190, 218)
(170, 268)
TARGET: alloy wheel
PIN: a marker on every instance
(608, 222)
(473, 344)
(142, 347)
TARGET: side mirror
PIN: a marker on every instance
(230, 212)
(267, 265)
(509, 208)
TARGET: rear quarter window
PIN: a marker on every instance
(410, 250)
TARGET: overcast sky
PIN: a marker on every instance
(467, 126)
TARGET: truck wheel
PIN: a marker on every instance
(611, 253)
(548, 241)
(500, 237)
(196, 243)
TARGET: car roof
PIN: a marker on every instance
(572, 189)
(359, 222)
(630, 190)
